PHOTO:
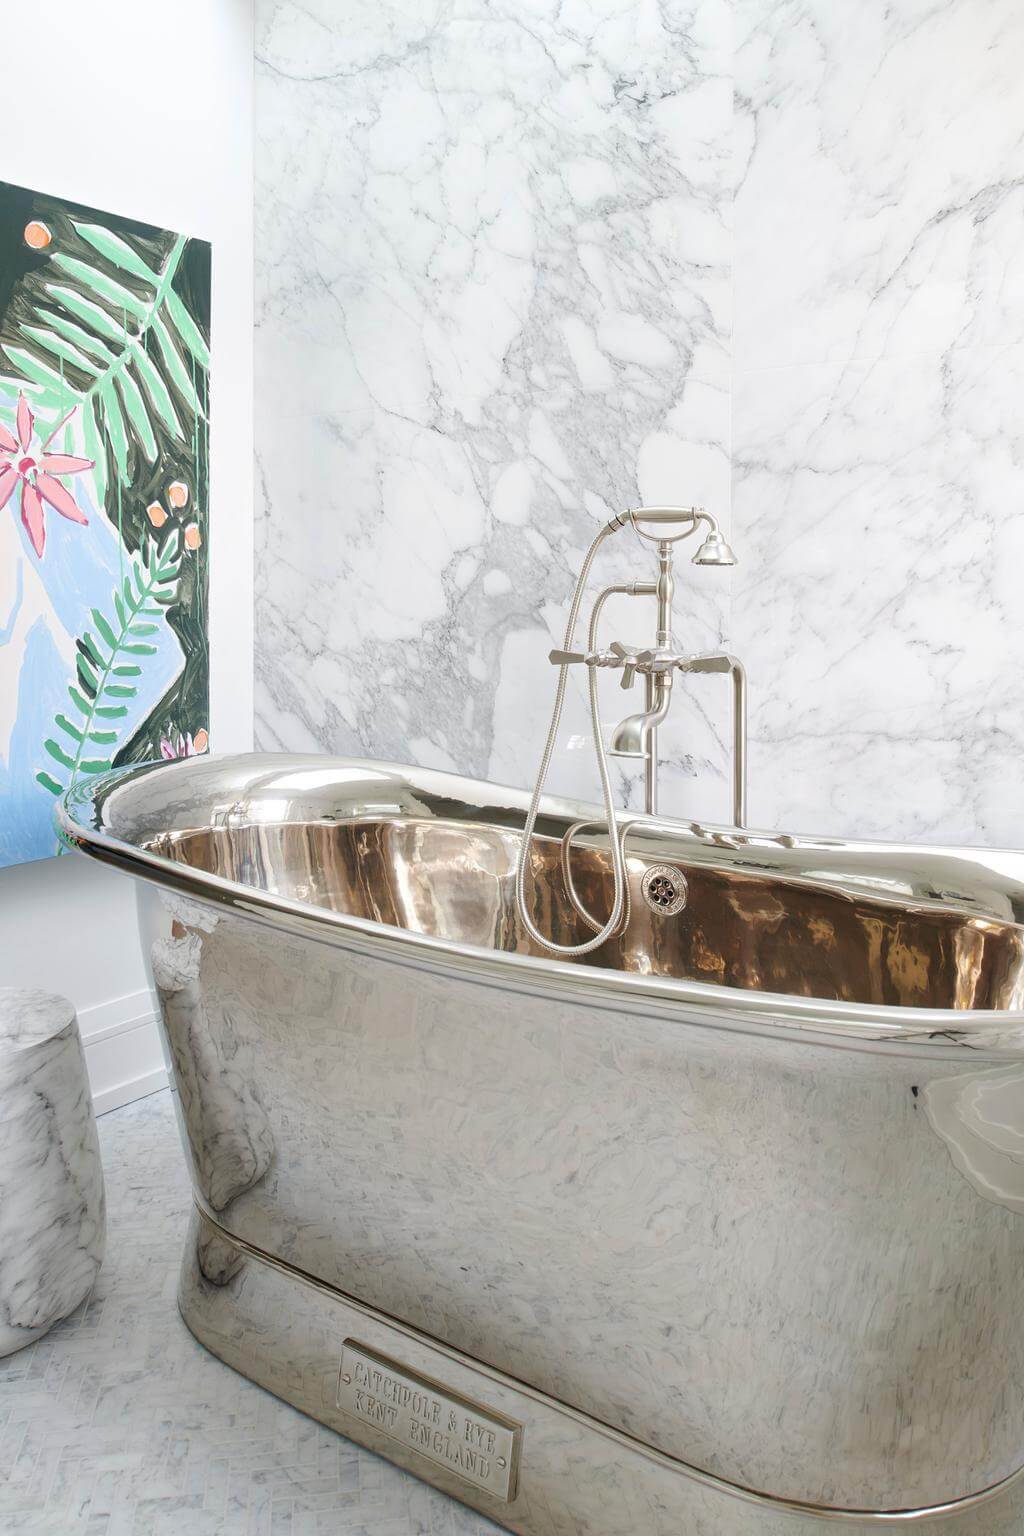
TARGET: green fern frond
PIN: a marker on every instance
(113, 293)
(152, 578)
(176, 370)
(61, 348)
(117, 251)
(116, 340)
(37, 372)
(77, 334)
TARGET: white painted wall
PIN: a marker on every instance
(146, 111)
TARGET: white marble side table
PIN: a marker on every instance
(52, 1215)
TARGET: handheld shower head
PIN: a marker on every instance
(714, 551)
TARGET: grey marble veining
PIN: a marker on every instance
(879, 607)
(880, 191)
(878, 449)
(493, 306)
(496, 255)
(32, 1017)
(51, 1184)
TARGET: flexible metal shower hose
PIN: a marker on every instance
(616, 840)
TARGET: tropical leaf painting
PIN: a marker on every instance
(104, 486)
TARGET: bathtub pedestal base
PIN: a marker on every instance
(573, 1477)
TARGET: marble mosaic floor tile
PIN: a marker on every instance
(118, 1423)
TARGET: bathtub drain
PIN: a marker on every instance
(664, 889)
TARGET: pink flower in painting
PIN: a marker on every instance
(183, 745)
(36, 472)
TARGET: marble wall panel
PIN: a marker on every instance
(499, 251)
(878, 464)
(494, 305)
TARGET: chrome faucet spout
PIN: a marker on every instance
(632, 736)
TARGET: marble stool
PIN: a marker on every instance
(52, 1217)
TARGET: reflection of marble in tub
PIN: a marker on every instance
(693, 1191)
(215, 1073)
(981, 1120)
(575, 1477)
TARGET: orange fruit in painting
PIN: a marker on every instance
(177, 494)
(37, 236)
(156, 514)
(200, 741)
(193, 538)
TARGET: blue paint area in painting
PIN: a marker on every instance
(49, 605)
(7, 627)
(75, 558)
(25, 830)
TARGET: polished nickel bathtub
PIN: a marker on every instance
(721, 1231)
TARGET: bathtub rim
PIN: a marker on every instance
(996, 1034)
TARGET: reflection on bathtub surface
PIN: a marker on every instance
(743, 1189)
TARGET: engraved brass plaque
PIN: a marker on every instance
(474, 1443)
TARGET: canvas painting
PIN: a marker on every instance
(104, 481)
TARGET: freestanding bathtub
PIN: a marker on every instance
(719, 1233)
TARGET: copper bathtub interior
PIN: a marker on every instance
(754, 931)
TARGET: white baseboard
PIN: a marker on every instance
(123, 1051)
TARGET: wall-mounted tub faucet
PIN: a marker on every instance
(637, 735)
